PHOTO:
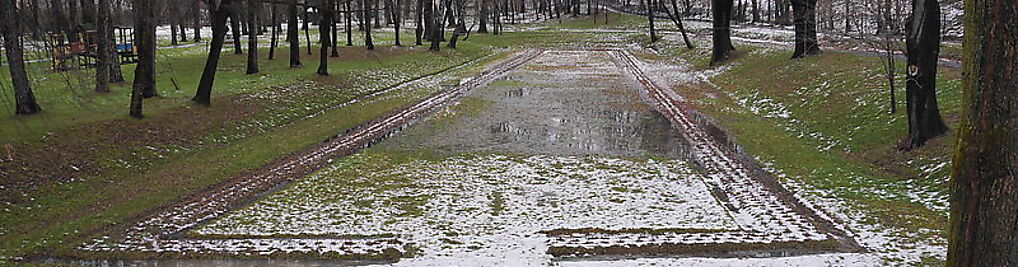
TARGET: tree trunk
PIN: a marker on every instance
(235, 30)
(252, 36)
(397, 17)
(460, 30)
(650, 19)
(334, 7)
(923, 50)
(983, 227)
(722, 16)
(678, 22)
(433, 24)
(420, 23)
(482, 17)
(804, 13)
(349, 23)
(173, 34)
(307, 27)
(220, 13)
(275, 31)
(145, 73)
(197, 21)
(104, 47)
(24, 99)
(366, 6)
(293, 35)
(324, 29)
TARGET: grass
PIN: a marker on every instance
(823, 122)
(58, 215)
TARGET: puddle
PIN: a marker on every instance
(587, 109)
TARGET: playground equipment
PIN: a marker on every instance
(79, 52)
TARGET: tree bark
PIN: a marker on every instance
(220, 14)
(324, 29)
(805, 16)
(145, 73)
(104, 47)
(252, 36)
(367, 7)
(649, 4)
(923, 49)
(275, 31)
(307, 27)
(482, 17)
(349, 22)
(983, 227)
(293, 35)
(397, 16)
(24, 99)
(721, 11)
(235, 31)
(419, 31)
(434, 24)
(334, 7)
(197, 21)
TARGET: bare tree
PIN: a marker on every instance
(235, 29)
(324, 30)
(104, 47)
(923, 51)
(292, 34)
(220, 13)
(24, 99)
(252, 36)
(722, 15)
(983, 226)
(145, 73)
(804, 13)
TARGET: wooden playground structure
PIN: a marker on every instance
(80, 52)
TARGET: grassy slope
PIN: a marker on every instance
(60, 213)
(823, 122)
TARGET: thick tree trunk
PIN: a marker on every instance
(433, 24)
(721, 11)
(984, 226)
(145, 73)
(10, 26)
(220, 14)
(324, 29)
(104, 47)
(252, 36)
(804, 13)
(923, 47)
(482, 16)
(293, 35)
